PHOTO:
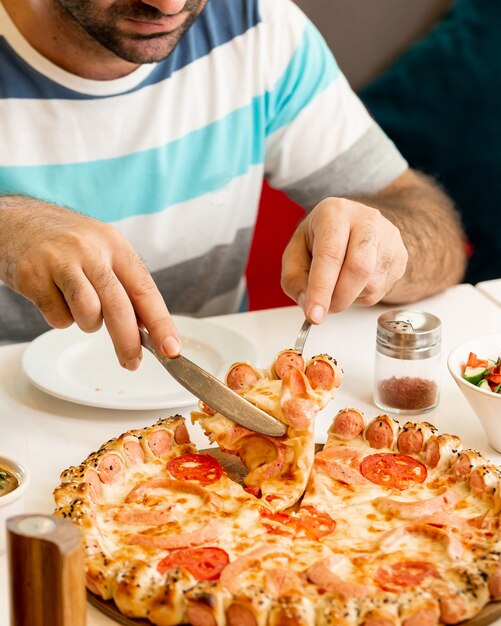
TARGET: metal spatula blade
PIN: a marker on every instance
(215, 393)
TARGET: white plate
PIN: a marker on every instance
(83, 368)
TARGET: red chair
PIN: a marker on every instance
(277, 219)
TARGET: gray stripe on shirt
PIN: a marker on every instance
(367, 167)
(210, 276)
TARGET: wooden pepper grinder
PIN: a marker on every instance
(47, 576)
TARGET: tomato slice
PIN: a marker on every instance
(494, 378)
(404, 574)
(397, 471)
(202, 563)
(315, 523)
(203, 468)
(472, 360)
(278, 523)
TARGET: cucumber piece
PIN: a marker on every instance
(491, 364)
(474, 374)
(483, 384)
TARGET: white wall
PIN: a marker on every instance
(367, 35)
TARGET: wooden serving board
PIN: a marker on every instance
(236, 471)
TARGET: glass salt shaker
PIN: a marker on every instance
(407, 369)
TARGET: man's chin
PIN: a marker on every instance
(146, 49)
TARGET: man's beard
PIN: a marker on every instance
(132, 47)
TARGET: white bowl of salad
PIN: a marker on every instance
(476, 367)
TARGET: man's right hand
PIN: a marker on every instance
(75, 268)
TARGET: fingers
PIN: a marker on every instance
(90, 294)
(390, 268)
(34, 282)
(296, 262)
(98, 277)
(358, 267)
(306, 270)
(52, 305)
(128, 296)
(344, 252)
(75, 268)
(80, 297)
(331, 250)
(121, 296)
(118, 314)
(149, 304)
(318, 248)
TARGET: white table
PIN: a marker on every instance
(49, 435)
(491, 289)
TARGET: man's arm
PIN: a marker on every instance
(75, 268)
(432, 233)
(401, 245)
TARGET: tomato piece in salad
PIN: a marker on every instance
(494, 378)
(474, 361)
(483, 373)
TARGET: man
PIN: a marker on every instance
(155, 121)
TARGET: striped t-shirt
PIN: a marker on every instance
(174, 153)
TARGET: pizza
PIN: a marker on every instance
(383, 525)
(293, 391)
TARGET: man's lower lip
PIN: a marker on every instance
(166, 25)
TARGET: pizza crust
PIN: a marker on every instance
(391, 525)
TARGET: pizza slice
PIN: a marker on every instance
(293, 391)
(169, 536)
(413, 532)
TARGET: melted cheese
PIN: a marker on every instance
(364, 539)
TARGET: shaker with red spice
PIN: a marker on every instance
(407, 373)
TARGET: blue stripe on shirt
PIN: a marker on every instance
(203, 161)
(311, 70)
(219, 22)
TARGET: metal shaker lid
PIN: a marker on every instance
(406, 331)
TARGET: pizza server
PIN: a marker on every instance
(215, 393)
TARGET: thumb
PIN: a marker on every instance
(296, 262)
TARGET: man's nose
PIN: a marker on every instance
(167, 7)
